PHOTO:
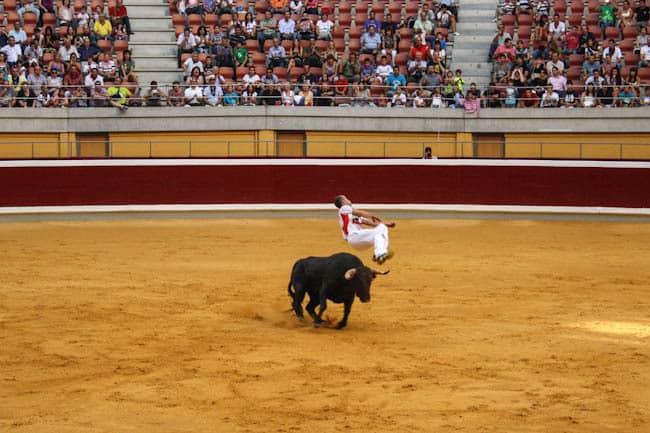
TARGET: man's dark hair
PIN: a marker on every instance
(338, 201)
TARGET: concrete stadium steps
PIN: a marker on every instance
(472, 46)
(154, 41)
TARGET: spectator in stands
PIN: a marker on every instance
(72, 80)
(324, 28)
(287, 27)
(572, 97)
(557, 28)
(240, 54)
(119, 15)
(351, 68)
(176, 95)
(554, 62)
(644, 56)
(185, 43)
(498, 40)
(190, 63)
(329, 68)
(506, 49)
(25, 97)
(416, 69)
(596, 80)
(269, 77)
(230, 96)
(126, 68)
(529, 99)
(389, 44)
(589, 97)
(399, 98)
(36, 79)
(311, 54)
(106, 67)
(607, 16)
(277, 56)
(501, 69)
(446, 19)
(423, 28)
(210, 6)
(306, 29)
(505, 7)
(384, 69)
(558, 82)
(590, 64)
(249, 26)
(18, 34)
(626, 98)
(88, 50)
(65, 14)
(311, 7)
(13, 52)
(549, 99)
(226, 7)
(27, 6)
(279, 6)
(118, 95)
(572, 40)
(430, 81)
(372, 21)
(270, 95)
(154, 97)
(642, 13)
(193, 7)
(524, 7)
(394, 80)
(437, 100)
(92, 78)
(419, 46)
(472, 103)
(33, 53)
(102, 29)
(213, 92)
(249, 96)
(44, 6)
(371, 41)
(296, 7)
(368, 71)
(626, 15)
(615, 54)
(67, 49)
(193, 95)
(267, 30)
(252, 78)
(7, 93)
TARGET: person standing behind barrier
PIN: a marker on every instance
(351, 221)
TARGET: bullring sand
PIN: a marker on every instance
(182, 326)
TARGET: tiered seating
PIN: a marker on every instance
(586, 16)
(349, 25)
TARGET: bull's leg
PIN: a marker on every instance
(323, 306)
(346, 312)
(297, 299)
(311, 306)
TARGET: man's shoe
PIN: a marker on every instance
(382, 258)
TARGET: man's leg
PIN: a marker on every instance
(381, 240)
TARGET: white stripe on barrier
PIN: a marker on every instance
(323, 162)
(584, 210)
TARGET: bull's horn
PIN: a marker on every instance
(350, 273)
(380, 272)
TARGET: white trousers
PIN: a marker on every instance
(376, 237)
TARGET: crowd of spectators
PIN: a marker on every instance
(599, 58)
(317, 53)
(63, 55)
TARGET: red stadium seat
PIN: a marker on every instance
(395, 6)
(345, 20)
(525, 20)
(345, 7)
(575, 19)
(644, 75)
(559, 7)
(9, 5)
(592, 19)
(211, 20)
(593, 5)
(178, 20)
(612, 33)
(629, 32)
(295, 73)
(627, 45)
(576, 59)
(121, 45)
(508, 20)
(105, 45)
(577, 7)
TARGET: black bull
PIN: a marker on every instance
(338, 278)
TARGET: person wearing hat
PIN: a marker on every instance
(212, 93)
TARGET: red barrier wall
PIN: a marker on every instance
(296, 183)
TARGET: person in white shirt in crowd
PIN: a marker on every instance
(192, 62)
(213, 93)
(287, 27)
(13, 51)
(324, 28)
(557, 28)
(614, 52)
(185, 43)
(194, 95)
(67, 49)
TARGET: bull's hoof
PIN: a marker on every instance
(340, 325)
(317, 324)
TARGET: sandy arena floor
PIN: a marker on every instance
(181, 326)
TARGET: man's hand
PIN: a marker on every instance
(390, 224)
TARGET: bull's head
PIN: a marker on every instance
(362, 277)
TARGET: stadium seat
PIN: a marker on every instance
(629, 32)
(576, 59)
(593, 6)
(120, 45)
(9, 5)
(508, 20)
(355, 32)
(361, 7)
(575, 19)
(338, 32)
(644, 75)
(211, 20)
(354, 45)
(345, 19)
(412, 8)
(627, 45)
(195, 20)
(339, 44)
(443, 31)
(260, 7)
(345, 7)
(574, 73)
(378, 6)
(577, 7)
(612, 33)
(592, 19)
(631, 59)
(360, 19)
(525, 20)
(317, 72)
(252, 45)
(258, 58)
(105, 45)
(226, 72)
(395, 6)
(12, 17)
(595, 29)
(178, 20)
(524, 32)
(559, 7)
(295, 73)
(280, 72)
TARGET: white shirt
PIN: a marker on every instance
(12, 53)
(557, 29)
(189, 65)
(384, 70)
(89, 81)
(616, 54)
(324, 27)
(193, 94)
(286, 26)
(349, 223)
(645, 53)
(251, 79)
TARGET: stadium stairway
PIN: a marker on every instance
(154, 42)
(471, 48)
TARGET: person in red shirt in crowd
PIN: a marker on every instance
(572, 39)
(529, 99)
(119, 16)
(419, 47)
(507, 49)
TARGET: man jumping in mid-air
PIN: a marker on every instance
(351, 221)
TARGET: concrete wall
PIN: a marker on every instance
(323, 119)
